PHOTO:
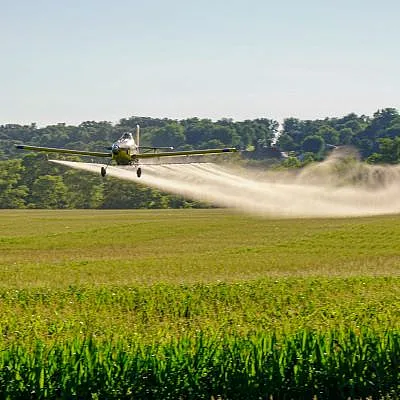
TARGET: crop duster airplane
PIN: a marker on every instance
(126, 151)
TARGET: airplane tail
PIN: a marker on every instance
(138, 137)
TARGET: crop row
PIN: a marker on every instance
(335, 364)
(164, 311)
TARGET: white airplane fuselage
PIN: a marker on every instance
(123, 149)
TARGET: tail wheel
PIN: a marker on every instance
(139, 172)
(103, 171)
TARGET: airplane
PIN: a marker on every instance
(127, 151)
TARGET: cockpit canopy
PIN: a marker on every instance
(127, 136)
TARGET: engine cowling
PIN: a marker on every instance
(115, 149)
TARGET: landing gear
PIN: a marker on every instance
(139, 172)
(103, 170)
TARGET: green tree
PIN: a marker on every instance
(84, 189)
(265, 131)
(296, 129)
(393, 131)
(12, 193)
(170, 135)
(49, 191)
(226, 135)
(246, 134)
(345, 136)
(197, 131)
(121, 194)
(367, 140)
(329, 134)
(212, 144)
(35, 165)
(384, 118)
(389, 150)
(286, 142)
(291, 162)
(313, 144)
(367, 147)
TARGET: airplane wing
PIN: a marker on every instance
(63, 151)
(155, 148)
(185, 153)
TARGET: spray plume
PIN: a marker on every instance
(340, 186)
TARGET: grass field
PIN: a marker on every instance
(61, 248)
(152, 278)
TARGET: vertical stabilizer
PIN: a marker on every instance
(137, 137)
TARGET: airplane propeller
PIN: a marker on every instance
(115, 148)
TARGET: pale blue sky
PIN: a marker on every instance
(77, 60)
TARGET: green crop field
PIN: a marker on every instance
(188, 304)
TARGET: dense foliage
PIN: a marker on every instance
(186, 134)
(27, 180)
(376, 138)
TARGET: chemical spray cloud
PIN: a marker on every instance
(340, 186)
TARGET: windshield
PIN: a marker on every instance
(126, 135)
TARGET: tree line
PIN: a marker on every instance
(376, 138)
(33, 182)
(29, 181)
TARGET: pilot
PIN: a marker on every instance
(126, 135)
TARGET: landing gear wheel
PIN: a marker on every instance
(139, 172)
(103, 171)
